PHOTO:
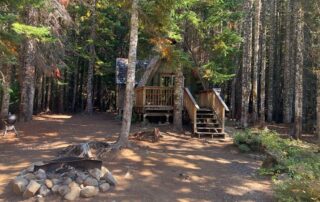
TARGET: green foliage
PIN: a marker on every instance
(249, 140)
(41, 33)
(300, 160)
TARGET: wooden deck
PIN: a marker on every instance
(154, 101)
(207, 116)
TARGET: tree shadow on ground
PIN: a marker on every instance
(178, 168)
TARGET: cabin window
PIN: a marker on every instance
(167, 80)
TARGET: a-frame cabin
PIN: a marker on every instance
(154, 96)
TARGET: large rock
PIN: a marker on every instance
(89, 191)
(67, 181)
(19, 185)
(90, 182)
(41, 174)
(30, 176)
(48, 183)
(79, 180)
(95, 173)
(64, 189)
(30, 169)
(44, 191)
(55, 189)
(104, 187)
(56, 181)
(110, 179)
(74, 192)
(104, 170)
(31, 189)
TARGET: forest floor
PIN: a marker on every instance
(177, 168)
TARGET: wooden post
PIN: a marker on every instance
(143, 97)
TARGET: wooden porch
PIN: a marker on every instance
(154, 101)
(206, 114)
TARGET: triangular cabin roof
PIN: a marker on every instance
(145, 70)
(122, 68)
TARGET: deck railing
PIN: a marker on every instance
(191, 106)
(212, 100)
(154, 96)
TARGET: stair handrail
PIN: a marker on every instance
(212, 99)
(221, 100)
(191, 106)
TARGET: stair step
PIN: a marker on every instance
(206, 118)
(204, 110)
(209, 134)
(205, 114)
(202, 123)
(208, 128)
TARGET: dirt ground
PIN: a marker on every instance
(178, 168)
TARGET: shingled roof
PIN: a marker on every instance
(122, 67)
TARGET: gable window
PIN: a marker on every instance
(167, 80)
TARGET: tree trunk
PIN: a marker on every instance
(178, 99)
(318, 106)
(60, 97)
(28, 72)
(287, 88)
(263, 65)
(6, 80)
(49, 94)
(128, 100)
(28, 81)
(89, 107)
(75, 87)
(233, 97)
(246, 63)
(256, 60)
(272, 22)
(40, 92)
(299, 71)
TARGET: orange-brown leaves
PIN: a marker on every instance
(164, 46)
(65, 3)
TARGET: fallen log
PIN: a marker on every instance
(75, 162)
(149, 136)
(88, 150)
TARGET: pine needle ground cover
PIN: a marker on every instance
(296, 168)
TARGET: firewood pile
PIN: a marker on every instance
(148, 136)
(66, 177)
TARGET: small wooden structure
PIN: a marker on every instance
(154, 97)
(154, 101)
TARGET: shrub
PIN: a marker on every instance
(247, 141)
(299, 160)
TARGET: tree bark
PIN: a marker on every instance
(178, 99)
(40, 90)
(287, 77)
(89, 107)
(28, 72)
(299, 71)
(272, 21)
(75, 86)
(246, 63)
(6, 81)
(257, 14)
(263, 34)
(28, 84)
(318, 106)
(49, 94)
(128, 100)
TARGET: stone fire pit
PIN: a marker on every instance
(69, 178)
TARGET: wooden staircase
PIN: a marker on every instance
(207, 120)
(207, 124)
